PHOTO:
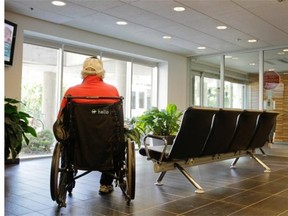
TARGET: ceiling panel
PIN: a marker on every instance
(149, 20)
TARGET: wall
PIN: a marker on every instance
(172, 66)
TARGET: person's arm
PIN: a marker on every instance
(63, 103)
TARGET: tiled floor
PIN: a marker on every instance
(246, 190)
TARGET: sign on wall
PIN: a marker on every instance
(271, 80)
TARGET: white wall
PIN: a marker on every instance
(173, 68)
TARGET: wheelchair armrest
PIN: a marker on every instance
(161, 149)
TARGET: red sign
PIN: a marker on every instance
(271, 79)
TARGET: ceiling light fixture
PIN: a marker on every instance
(121, 23)
(221, 27)
(252, 41)
(58, 3)
(201, 48)
(252, 64)
(179, 9)
(285, 50)
(167, 37)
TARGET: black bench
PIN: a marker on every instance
(208, 135)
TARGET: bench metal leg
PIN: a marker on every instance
(233, 164)
(267, 169)
(262, 151)
(199, 189)
(159, 179)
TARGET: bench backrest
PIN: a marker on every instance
(206, 131)
(265, 125)
(193, 133)
(245, 130)
(222, 131)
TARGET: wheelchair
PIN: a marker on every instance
(96, 142)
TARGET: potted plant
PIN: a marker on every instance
(16, 128)
(163, 122)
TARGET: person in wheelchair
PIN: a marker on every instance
(93, 74)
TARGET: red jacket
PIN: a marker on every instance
(91, 86)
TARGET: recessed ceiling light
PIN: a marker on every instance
(201, 48)
(228, 56)
(166, 37)
(58, 3)
(179, 9)
(121, 23)
(252, 40)
(285, 50)
(221, 27)
(252, 64)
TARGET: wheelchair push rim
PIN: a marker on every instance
(58, 176)
(129, 175)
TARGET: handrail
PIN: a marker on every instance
(159, 138)
(94, 97)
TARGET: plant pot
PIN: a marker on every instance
(12, 161)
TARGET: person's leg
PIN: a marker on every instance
(106, 181)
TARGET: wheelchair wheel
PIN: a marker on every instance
(59, 175)
(130, 171)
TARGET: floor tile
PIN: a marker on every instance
(246, 190)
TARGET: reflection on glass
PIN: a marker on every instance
(242, 80)
(275, 89)
(205, 81)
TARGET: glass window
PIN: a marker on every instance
(143, 86)
(42, 75)
(133, 100)
(234, 95)
(38, 93)
(275, 89)
(72, 66)
(43, 72)
(205, 81)
(196, 87)
(242, 80)
(211, 92)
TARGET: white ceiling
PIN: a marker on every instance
(149, 20)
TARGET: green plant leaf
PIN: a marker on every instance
(16, 128)
(160, 122)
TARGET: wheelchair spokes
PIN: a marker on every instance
(61, 176)
(127, 176)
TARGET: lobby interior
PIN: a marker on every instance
(246, 190)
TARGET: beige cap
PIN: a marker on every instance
(93, 66)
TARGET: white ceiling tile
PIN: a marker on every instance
(149, 20)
